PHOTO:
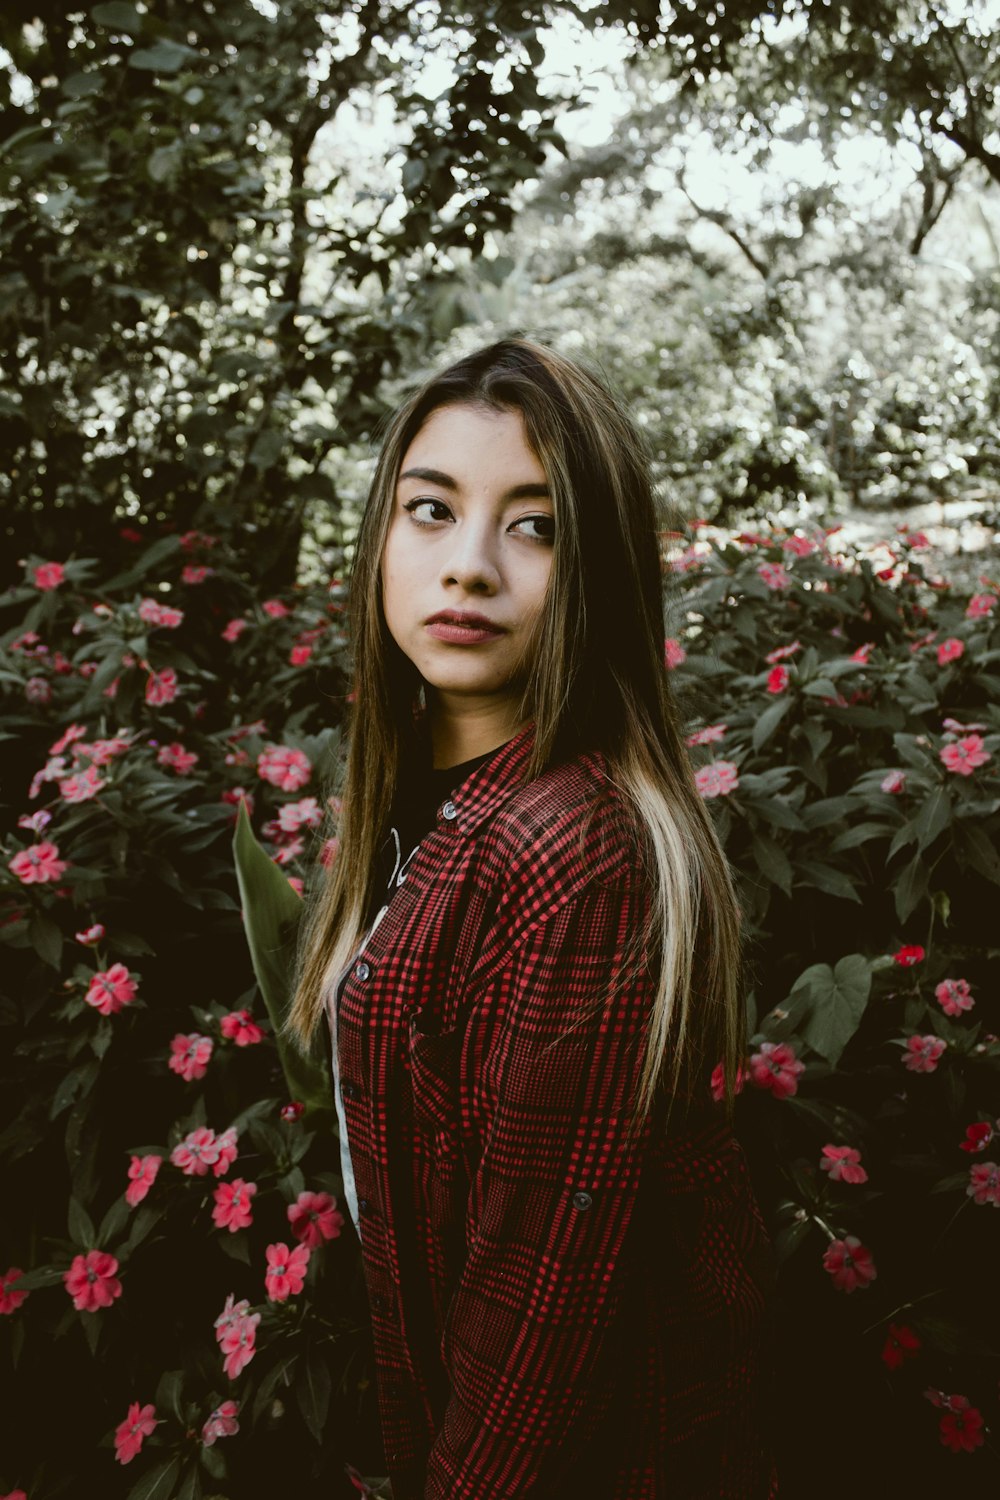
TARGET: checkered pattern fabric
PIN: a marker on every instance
(562, 1309)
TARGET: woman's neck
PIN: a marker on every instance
(460, 732)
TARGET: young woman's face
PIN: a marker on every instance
(468, 554)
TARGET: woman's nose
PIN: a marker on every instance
(471, 562)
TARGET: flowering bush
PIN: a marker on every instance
(190, 1234)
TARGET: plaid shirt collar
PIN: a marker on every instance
(488, 786)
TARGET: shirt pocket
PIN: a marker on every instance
(434, 1078)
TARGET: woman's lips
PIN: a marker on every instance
(457, 633)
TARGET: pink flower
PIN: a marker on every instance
(35, 822)
(292, 1111)
(177, 758)
(296, 884)
(901, 1344)
(984, 1183)
(980, 605)
(190, 1055)
(48, 575)
(961, 1428)
(129, 1435)
(780, 652)
(103, 751)
(673, 653)
(909, 955)
(284, 767)
(774, 575)
(285, 1272)
(717, 779)
(849, 1263)
(156, 614)
(232, 1204)
(239, 1027)
(329, 852)
(977, 1137)
(226, 1144)
(38, 864)
(234, 795)
(965, 755)
(142, 1172)
(198, 1151)
(863, 653)
(83, 786)
(14, 1495)
(953, 996)
(234, 629)
(38, 690)
(894, 782)
(299, 655)
(923, 1053)
(91, 1281)
(843, 1164)
(11, 1301)
(191, 573)
(236, 1332)
(111, 990)
(777, 679)
(314, 1218)
(707, 735)
(275, 608)
(161, 687)
(90, 936)
(718, 1082)
(800, 545)
(222, 1423)
(777, 1068)
(950, 650)
(306, 813)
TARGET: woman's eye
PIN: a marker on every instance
(544, 527)
(425, 512)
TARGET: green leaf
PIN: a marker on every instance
(81, 1226)
(46, 939)
(271, 915)
(312, 1392)
(158, 1482)
(151, 558)
(911, 887)
(114, 1221)
(164, 163)
(829, 1004)
(933, 817)
(769, 721)
(32, 1281)
(825, 878)
(165, 57)
(977, 849)
(773, 862)
(191, 1488)
(116, 15)
(859, 834)
(168, 1393)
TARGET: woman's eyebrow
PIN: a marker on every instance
(530, 491)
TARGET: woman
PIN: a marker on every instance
(528, 948)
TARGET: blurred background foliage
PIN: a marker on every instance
(233, 232)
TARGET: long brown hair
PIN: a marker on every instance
(598, 684)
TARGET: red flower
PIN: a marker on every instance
(48, 575)
(177, 758)
(776, 1067)
(236, 1332)
(673, 653)
(950, 650)
(192, 573)
(129, 1435)
(717, 779)
(198, 1151)
(156, 614)
(780, 652)
(222, 1423)
(190, 1055)
(284, 767)
(232, 1209)
(984, 1183)
(234, 629)
(226, 1144)
(965, 755)
(901, 1344)
(142, 1172)
(82, 786)
(239, 1027)
(314, 1219)
(923, 1053)
(774, 575)
(90, 936)
(979, 605)
(777, 679)
(39, 864)
(894, 782)
(908, 956)
(299, 655)
(962, 1427)
(91, 1281)
(275, 608)
(286, 1269)
(11, 1301)
(707, 735)
(849, 1263)
(111, 990)
(161, 687)
(977, 1137)
(953, 996)
(843, 1164)
(292, 1112)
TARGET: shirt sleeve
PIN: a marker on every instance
(558, 1032)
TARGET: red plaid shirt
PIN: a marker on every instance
(559, 1310)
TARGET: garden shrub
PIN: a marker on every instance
(180, 1282)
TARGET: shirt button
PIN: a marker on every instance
(582, 1201)
(350, 1090)
(363, 1205)
(449, 811)
(361, 970)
